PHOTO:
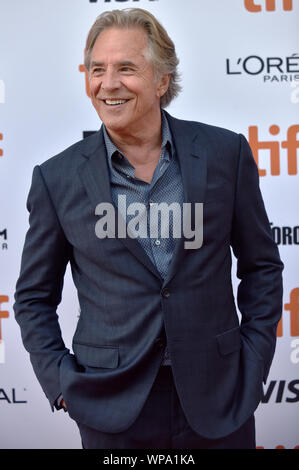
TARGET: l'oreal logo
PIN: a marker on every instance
(275, 69)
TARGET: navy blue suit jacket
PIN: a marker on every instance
(218, 364)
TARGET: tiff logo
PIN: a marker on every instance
(255, 7)
(1, 150)
(3, 314)
(277, 447)
(293, 308)
(87, 88)
(291, 144)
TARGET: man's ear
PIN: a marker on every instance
(163, 85)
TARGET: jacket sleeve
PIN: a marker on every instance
(39, 287)
(259, 267)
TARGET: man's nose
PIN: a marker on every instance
(110, 80)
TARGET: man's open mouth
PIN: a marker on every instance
(115, 102)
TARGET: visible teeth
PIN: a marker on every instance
(115, 101)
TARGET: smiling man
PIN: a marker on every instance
(126, 94)
(160, 359)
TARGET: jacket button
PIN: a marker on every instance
(165, 293)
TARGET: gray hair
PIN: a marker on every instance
(161, 48)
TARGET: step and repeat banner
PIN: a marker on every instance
(239, 65)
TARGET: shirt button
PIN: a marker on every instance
(165, 293)
(157, 242)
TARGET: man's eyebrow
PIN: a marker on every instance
(123, 63)
(96, 64)
(127, 62)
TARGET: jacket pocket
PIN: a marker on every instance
(229, 341)
(96, 356)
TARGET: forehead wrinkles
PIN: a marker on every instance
(117, 45)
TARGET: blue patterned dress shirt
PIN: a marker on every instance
(166, 186)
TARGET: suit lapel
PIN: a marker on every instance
(191, 150)
(94, 174)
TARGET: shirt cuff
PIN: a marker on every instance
(58, 404)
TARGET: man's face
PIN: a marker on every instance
(124, 90)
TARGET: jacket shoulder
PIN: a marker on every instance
(209, 130)
(71, 157)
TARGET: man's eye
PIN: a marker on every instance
(98, 70)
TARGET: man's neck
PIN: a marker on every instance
(139, 145)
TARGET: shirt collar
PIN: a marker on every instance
(166, 141)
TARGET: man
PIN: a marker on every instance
(159, 358)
